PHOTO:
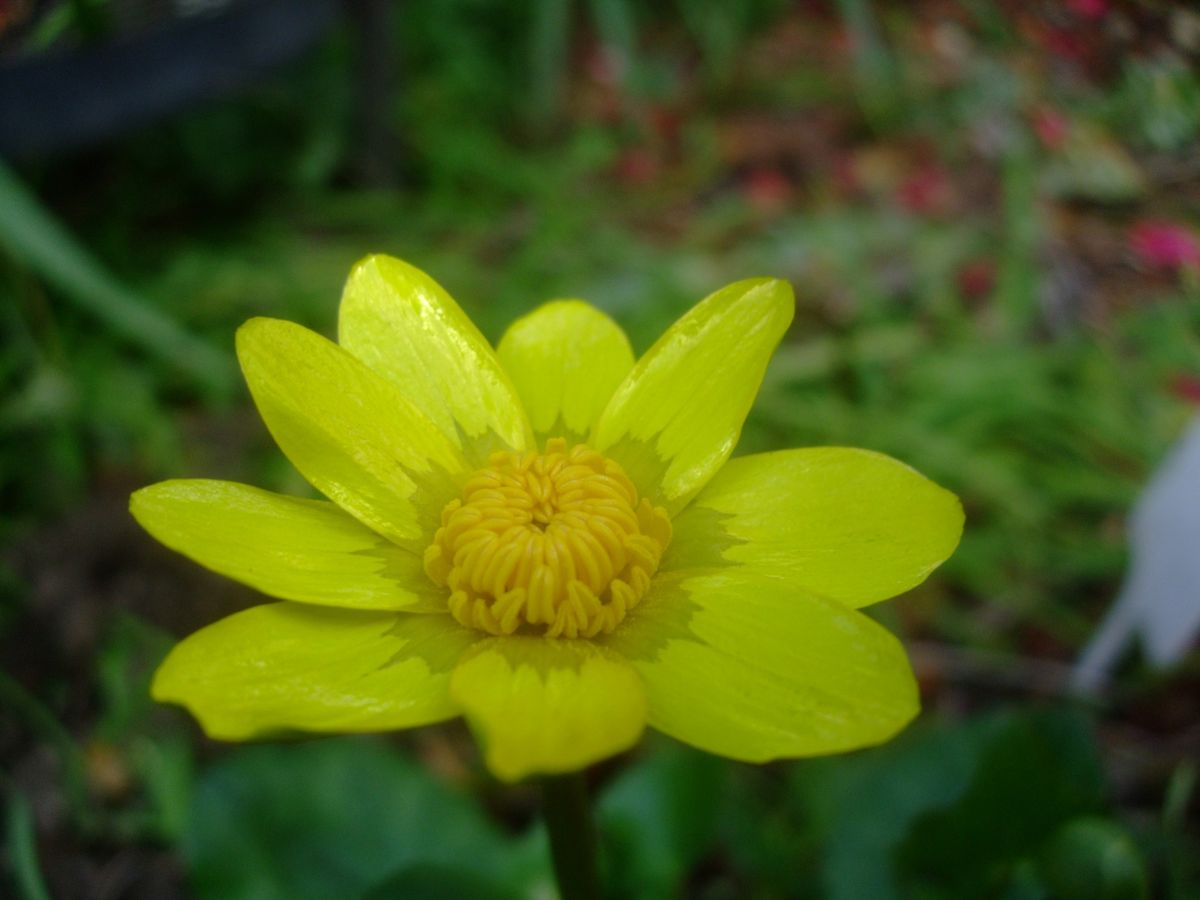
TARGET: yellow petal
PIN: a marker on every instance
(754, 669)
(677, 417)
(566, 359)
(401, 323)
(540, 705)
(290, 667)
(288, 547)
(349, 431)
(851, 525)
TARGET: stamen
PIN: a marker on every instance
(556, 542)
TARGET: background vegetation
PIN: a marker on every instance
(987, 209)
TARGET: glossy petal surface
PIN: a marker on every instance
(351, 433)
(851, 525)
(566, 359)
(291, 667)
(404, 325)
(289, 547)
(755, 669)
(678, 415)
(543, 706)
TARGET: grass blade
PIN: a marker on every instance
(34, 237)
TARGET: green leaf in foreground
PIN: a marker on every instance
(354, 817)
(434, 882)
(1093, 859)
(328, 818)
(659, 819)
(950, 810)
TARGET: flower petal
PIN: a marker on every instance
(404, 325)
(350, 432)
(677, 416)
(289, 547)
(851, 525)
(754, 669)
(566, 359)
(540, 705)
(290, 667)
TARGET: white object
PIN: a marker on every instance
(1160, 599)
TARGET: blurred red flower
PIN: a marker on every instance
(766, 189)
(1051, 127)
(977, 278)
(1088, 9)
(1186, 387)
(1165, 245)
(927, 191)
(638, 166)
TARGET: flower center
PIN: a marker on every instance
(557, 541)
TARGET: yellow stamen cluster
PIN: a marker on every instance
(556, 542)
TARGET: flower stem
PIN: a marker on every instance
(572, 832)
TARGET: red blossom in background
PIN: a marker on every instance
(977, 278)
(927, 191)
(666, 123)
(1089, 9)
(1065, 44)
(638, 166)
(766, 189)
(1186, 387)
(1051, 127)
(844, 176)
(1165, 245)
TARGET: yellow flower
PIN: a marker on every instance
(547, 539)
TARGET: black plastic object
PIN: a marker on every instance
(67, 99)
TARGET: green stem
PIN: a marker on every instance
(572, 835)
(43, 723)
(22, 850)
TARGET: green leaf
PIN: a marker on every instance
(1159, 99)
(21, 849)
(864, 806)
(328, 818)
(1093, 859)
(1092, 165)
(436, 882)
(658, 819)
(1033, 772)
(949, 808)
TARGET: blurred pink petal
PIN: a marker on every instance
(1051, 127)
(1165, 245)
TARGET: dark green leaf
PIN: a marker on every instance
(1033, 772)
(425, 881)
(1093, 859)
(658, 819)
(328, 818)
